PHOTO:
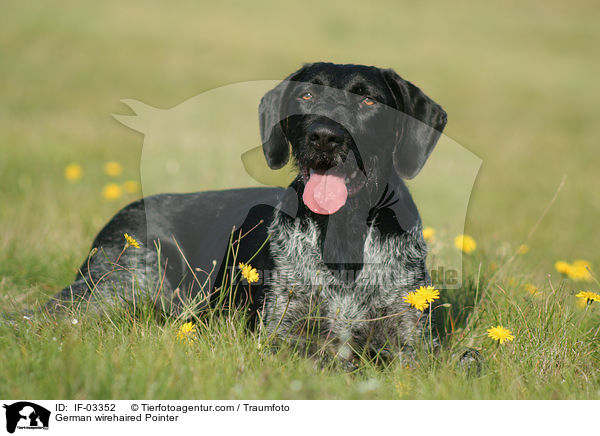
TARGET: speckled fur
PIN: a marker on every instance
(101, 283)
(366, 314)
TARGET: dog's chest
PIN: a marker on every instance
(389, 263)
(302, 290)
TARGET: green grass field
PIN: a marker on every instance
(518, 80)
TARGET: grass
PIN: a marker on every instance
(130, 353)
(518, 82)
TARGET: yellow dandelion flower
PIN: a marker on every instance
(581, 303)
(562, 267)
(73, 172)
(131, 241)
(131, 187)
(401, 387)
(523, 249)
(465, 243)
(187, 333)
(113, 169)
(429, 234)
(532, 289)
(579, 274)
(582, 263)
(588, 296)
(112, 191)
(429, 293)
(416, 300)
(580, 271)
(249, 273)
(500, 334)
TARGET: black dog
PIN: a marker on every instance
(336, 252)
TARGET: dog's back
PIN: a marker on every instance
(183, 241)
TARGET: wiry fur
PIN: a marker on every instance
(113, 275)
(310, 306)
(135, 277)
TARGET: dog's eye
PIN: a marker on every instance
(306, 96)
(368, 101)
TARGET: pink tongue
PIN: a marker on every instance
(325, 193)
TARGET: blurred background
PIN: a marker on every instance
(517, 78)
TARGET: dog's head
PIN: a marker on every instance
(349, 126)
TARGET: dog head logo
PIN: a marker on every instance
(26, 415)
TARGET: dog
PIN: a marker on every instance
(336, 251)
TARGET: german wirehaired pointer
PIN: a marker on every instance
(336, 252)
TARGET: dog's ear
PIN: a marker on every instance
(421, 124)
(270, 114)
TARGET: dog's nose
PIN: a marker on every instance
(325, 136)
